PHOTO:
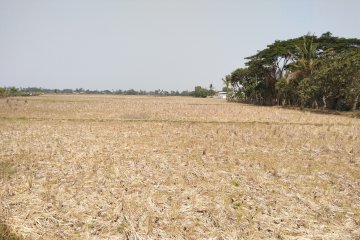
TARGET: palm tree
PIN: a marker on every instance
(302, 70)
(304, 59)
(227, 81)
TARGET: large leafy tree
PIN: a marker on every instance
(338, 79)
(301, 71)
(329, 43)
(270, 65)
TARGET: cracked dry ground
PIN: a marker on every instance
(106, 167)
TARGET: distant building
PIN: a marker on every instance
(221, 95)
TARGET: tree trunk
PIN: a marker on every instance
(315, 104)
(355, 103)
(302, 105)
(324, 101)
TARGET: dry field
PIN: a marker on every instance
(114, 167)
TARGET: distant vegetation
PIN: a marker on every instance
(309, 71)
(31, 91)
(11, 91)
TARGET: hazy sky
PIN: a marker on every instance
(151, 44)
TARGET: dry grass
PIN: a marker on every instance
(107, 167)
(6, 233)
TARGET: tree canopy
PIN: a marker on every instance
(307, 71)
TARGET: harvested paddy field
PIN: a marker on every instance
(114, 167)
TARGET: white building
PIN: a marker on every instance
(221, 95)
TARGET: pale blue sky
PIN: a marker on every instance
(151, 44)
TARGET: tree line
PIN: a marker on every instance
(308, 71)
(33, 91)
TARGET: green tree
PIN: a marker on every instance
(211, 91)
(338, 79)
(13, 91)
(301, 71)
(269, 65)
(285, 91)
(200, 92)
(2, 92)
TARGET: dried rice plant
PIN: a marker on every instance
(115, 167)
